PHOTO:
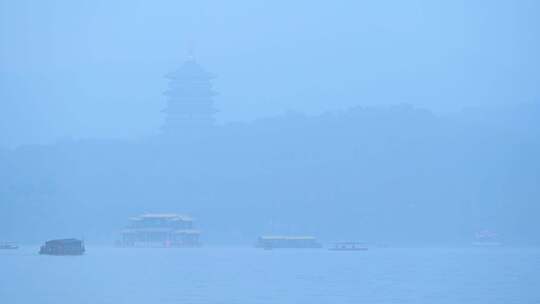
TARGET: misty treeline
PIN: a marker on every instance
(396, 175)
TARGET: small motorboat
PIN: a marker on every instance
(9, 246)
(63, 247)
(281, 242)
(486, 238)
(349, 246)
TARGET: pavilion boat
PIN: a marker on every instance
(167, 230)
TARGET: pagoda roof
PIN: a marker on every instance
(190, 94)
(190, 69)
(169, 216)
(63, 241)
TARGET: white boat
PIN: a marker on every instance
(273, 242)
(9, 246)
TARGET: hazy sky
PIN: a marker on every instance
(95, 68)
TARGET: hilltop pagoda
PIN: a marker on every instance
(190, 106)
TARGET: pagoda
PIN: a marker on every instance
(190, 106)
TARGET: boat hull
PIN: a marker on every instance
(487, 244)
(349, 249)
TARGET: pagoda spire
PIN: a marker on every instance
(191, 49)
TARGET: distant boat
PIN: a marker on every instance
(274, 242)
(63, 247)
(349, 246)
(486, 238)
(8, 246)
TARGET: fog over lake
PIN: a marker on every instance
(269, 151)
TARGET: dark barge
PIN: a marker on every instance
(63, 247)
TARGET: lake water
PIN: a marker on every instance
(246, 275)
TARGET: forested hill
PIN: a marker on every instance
(396, 174)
